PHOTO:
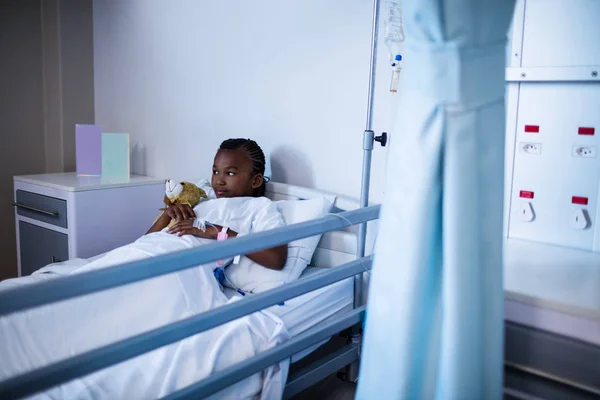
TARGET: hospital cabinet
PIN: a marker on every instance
(552, 201)
(553, 124)
(64, 216)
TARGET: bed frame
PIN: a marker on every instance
(335, 248)
(336, 251)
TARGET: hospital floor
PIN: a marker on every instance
(331, 388)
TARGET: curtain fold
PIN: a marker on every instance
(434, 325)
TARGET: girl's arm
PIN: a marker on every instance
(177, 211)
(161, 223)
(273, 258)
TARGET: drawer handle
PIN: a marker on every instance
(37, 210)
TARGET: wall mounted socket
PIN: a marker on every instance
(584, 151)
(530, 148)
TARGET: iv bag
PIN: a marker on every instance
(394, 32)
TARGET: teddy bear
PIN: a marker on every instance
(182, 193)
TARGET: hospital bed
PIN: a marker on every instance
(318, 306)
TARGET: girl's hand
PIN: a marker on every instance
(274, 258)
(186, 228)
(180, 212)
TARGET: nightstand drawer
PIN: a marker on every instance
(42, 208)
(40, 247)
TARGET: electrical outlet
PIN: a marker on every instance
(530, 148)
(584, 151)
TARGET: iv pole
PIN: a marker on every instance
(368, 142)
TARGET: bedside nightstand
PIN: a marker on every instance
(64, 216)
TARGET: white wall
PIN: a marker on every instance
(181, 76)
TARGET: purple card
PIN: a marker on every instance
(88, 149)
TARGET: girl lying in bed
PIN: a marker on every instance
(238, 173)
(47, 334)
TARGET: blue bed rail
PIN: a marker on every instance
(68, 287)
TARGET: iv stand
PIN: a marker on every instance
(368, 141)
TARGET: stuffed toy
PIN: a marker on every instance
(182, 193)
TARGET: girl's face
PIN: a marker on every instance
(233, 175)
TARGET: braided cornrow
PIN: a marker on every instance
(256, 156)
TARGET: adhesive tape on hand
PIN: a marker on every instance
(199, 224)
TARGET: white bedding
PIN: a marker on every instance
(50, 333)
(308, 310)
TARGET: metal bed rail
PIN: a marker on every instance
(107, 278)
(90, 282)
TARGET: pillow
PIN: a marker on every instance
(252, 277)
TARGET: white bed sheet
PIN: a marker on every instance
(36, 337)
(308, 310)
(298, 314)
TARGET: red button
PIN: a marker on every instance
(586, 131)
(532, 128)
(525, 194)
(579, 200)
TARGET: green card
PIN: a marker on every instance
(115, 156)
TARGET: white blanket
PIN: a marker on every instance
(47, 334)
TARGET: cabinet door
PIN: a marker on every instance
(40, 247)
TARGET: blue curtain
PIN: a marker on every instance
(434, 325)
